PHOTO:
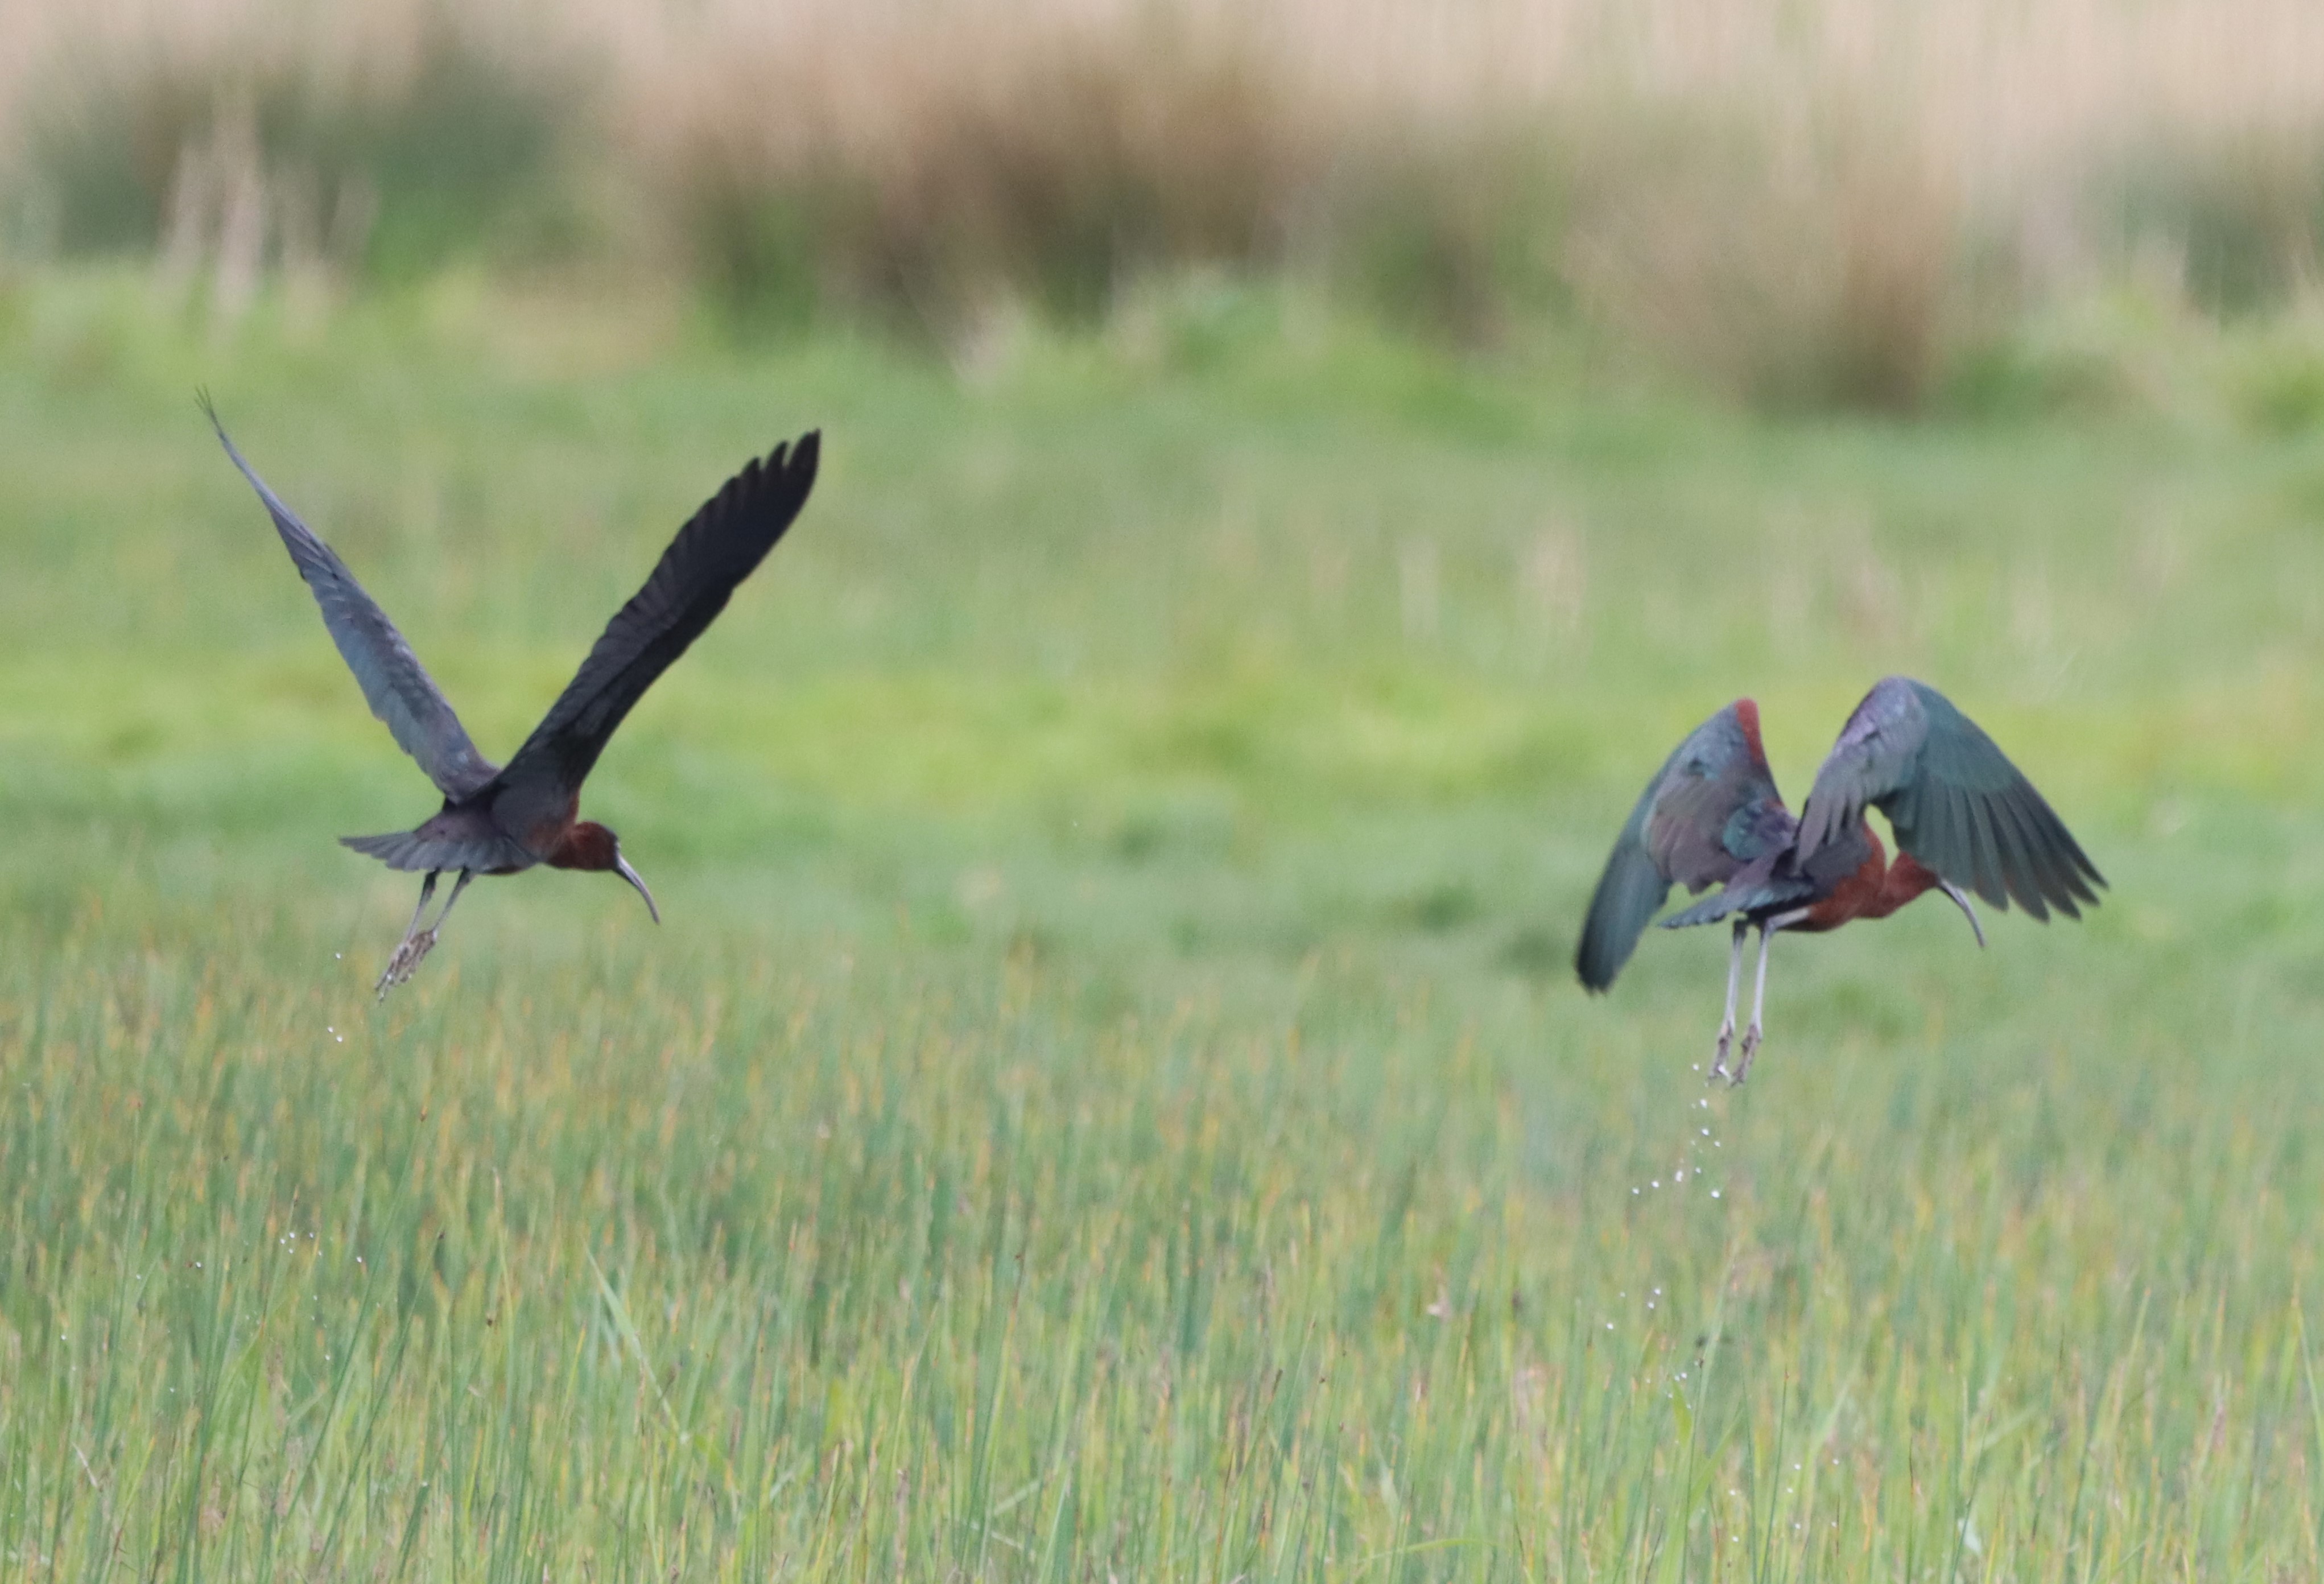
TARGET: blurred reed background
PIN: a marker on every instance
(1792, 202)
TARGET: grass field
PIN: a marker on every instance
(1108, 1101)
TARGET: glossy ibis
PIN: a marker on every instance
(501, 820)
(1962, 816)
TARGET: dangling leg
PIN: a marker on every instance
(418, 944)
(405, 956)
(1727, 1028)
(1759, 992)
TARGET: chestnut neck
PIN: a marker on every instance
(1905, 880)
(586, 844)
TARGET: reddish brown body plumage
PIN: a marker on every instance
(1877, 889)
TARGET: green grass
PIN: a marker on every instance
(1109, 1099)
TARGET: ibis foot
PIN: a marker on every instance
(1743, 1063)
(407, 957)
(1718, 1054)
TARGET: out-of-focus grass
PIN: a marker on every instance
(1108, 1098)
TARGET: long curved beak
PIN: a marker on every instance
(1959, 897)
(622, 867)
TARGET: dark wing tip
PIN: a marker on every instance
(1597, 958)
(799, 468)
(780, 482)
(1592, 967)
(794, 462)
(1628, 893)
(209, 410)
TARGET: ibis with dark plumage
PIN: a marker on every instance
(1965, 819)
(504, 819)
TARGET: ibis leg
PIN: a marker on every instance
(1758, 1002)
(426, 889)
(417, 942)
(1734, 978)
(399, 966)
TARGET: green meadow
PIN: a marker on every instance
(1109, 1099)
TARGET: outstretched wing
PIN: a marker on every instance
(395, 682)
(1954, 800)
(1710, 810)
(722, 545)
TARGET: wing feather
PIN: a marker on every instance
(1943, 817)
(2023, 864)
(395, 682)
(2061, 859)
(718, 547)
(1711, 809)
(417, 851)
(1955, 801)
(2055, 852)
(1985, 863)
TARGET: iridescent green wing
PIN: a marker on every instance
(1710, 810)
(1954, 800)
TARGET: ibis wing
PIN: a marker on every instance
(395, 682)
(1709, 811)
(421, 851)
(722, 545)
(1954, 800)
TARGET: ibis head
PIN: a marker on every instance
(589, 845)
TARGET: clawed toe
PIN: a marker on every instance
(407, 958)
(1743, 1065)
(1719, 1055)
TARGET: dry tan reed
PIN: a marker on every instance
(1800, 199)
